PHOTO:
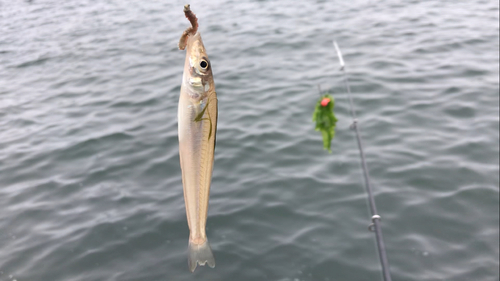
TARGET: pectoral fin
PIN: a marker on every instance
(199, 117)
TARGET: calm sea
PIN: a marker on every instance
(90, 182)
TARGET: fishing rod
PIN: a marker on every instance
(375, 225)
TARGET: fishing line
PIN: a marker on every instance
(375, 225)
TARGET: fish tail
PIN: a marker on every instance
(200, 254)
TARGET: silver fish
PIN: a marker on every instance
(197, 117)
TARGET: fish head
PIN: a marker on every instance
(198, 79)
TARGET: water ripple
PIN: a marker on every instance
(89, 165)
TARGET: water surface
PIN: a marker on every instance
(90, 183)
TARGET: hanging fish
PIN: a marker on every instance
(197, 117)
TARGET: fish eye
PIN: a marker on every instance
(204, 64)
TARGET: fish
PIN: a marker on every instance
(197, 127)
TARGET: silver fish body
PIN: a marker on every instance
(197, 126)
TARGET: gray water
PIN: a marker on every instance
(90, 182)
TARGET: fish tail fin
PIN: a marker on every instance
(200, 254)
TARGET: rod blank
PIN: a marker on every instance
(373, 208)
